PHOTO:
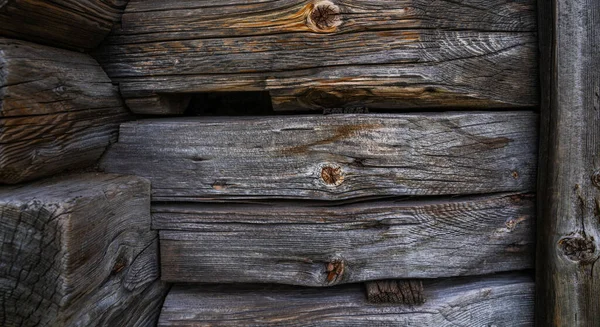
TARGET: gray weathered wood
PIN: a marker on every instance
(80, 24)
(329, 157)
(79, 251)
(569, 178)
(384, 54)
(303, 244)
(502, 301)
(58, 110)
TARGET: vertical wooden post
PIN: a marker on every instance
(568, 277)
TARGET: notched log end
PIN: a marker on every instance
(409, 292)
(578, 249)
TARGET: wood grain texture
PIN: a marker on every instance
(79, 251)
(405, 291)
(323, 245)
(58, 110)
(331, 157)
(502, 301)
(384, 54)
(73, 24)
(569, 178)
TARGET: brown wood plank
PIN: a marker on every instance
(58, 110)
(401, 54)
(79, 251)
(569, 177)
(405, 291)
(321, 245)
(505, 300)
(331, 157)
(79, 24)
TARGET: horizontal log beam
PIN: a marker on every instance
(505, 300)
(78, 251)
(73, 24)
(58, 110)
(333, 157)
(320, 245)
(321, 54)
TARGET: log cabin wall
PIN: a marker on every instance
(426, 196)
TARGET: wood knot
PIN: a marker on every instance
(324, 17)
(578, 249)
(219, 185)
(332, 175)
(119, 265)
(596, 179)
(59, 90)
(334, 270)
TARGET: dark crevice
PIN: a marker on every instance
(230, 104)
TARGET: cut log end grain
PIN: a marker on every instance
(408, 292)
(79, 251)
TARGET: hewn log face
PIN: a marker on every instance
(58, 110)
(320, 245)
(315, 54)
(569, 179)
(79, 252)
(330, 157)
(505, 300)
(79, 24)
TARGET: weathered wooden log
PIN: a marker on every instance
(321, 245)
(505, 300)
(74, 24)
(569, 179)
(79, 252)
(321, 53)
(330, 157)
(58, 110)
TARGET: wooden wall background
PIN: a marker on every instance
(430, 205)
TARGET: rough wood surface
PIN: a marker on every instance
(502, 301)
(405, 291)
(569, 178)
(323, 245)
(79, 24)
(79, 252)
(315, 54)
(58, 110)
(330, 157)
